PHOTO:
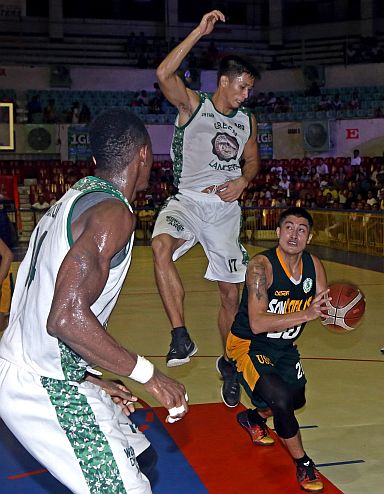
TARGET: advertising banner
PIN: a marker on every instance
(265, 140)
(78, 143)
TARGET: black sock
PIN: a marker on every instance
(180, 330)
(255, 418)
(304, 459)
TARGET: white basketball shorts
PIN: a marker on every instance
(215, 224)
(74, 430)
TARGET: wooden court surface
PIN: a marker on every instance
(342, 423)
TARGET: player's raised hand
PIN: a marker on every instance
(170, 393)
(209, 20)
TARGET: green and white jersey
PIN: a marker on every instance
(207, 150)
(26, 342)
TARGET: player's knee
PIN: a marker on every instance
(299, 399)
(276, 393)
(229, 294)
(162, 247)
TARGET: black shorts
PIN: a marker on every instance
(255, 358)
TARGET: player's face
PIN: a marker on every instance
(238, 89)
(294, 234)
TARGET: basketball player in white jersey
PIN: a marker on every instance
(213, 134)
(51, 398)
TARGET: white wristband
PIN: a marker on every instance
(143, 370)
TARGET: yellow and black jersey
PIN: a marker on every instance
(285, 295)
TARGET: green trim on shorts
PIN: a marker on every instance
(89, 443)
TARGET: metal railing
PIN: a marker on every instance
(352, 231)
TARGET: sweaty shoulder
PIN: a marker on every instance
(110, 219)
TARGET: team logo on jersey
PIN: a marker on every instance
(307, 285)
(224, 146)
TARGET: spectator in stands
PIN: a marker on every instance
(381, 199)
(284, 184)
(85, 114)
(75, 112)
(354, 104)
(356, 160)
(213, 54)
(34, 108)
(131, 44)
(50, 113)
(379, 112)
(324, 103)
(41, 203)
(305, 175)
(271, 101)
(371, 200)
(277, 169)
(143, 98)
(322, 168)
(313, 90)
(337, 104)
(261, 99)
(142, 43)
(142, 60)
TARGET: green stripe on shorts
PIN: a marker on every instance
(89, 444)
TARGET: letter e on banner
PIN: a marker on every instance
(352, 133)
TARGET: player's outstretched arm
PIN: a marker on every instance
(171, 85)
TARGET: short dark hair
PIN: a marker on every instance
(115, 137)
(235, 65)
(298, 212)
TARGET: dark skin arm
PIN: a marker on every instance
(99, 233)
(259, 278)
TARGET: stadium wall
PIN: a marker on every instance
(22, 78)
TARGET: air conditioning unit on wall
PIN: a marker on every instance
(316, 136)
(36, 139)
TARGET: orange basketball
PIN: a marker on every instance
(346, 309)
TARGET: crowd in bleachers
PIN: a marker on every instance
(335, 183)
(353, 184)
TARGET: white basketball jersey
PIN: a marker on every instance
(26, 342)
(207, 150)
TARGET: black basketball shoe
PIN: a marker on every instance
(230, 390)
(181, 348)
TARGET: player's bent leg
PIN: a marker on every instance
(283, 401)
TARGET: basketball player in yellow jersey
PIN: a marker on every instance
(285, 288)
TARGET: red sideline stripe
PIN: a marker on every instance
(27, 474)
(223, 456)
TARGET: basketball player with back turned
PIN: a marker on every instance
(285, 288)
(213, 134)
(73, 422)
